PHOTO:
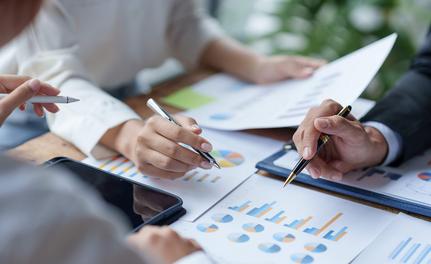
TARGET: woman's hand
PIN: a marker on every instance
(162, 244)
(152, 145)
(21, 89)
(278, 68)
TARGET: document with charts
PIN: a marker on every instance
(237, 154)
(260, 222)
(224, 102)
(406, 240)
(411, 181)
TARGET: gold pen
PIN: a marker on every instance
(323, 139)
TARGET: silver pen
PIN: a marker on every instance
(48, 99)
(159, 110)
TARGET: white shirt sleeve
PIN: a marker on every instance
(190, 30)
(48, 50)
(392, 138)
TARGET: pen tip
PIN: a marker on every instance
(216, 165)
(71, 100)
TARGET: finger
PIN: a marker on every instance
(319, 168)
(341, 166)
(340, 127)
(309, 133)
(175, 151)
(9, 82)
(51, 108)
(189, 123)
(18, 97)
(47, 89)
(152, 171)
(38, 110)
(310, 62)
(164, 162)
(195, 244)
(179, 134)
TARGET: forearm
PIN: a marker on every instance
(227, 55)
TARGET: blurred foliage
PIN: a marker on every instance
(332, 28)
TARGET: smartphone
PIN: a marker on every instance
(141, 204)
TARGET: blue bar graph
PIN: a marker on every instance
(298, 223)
(241, 207)
(259, 211)
(423, 255)
(399, 248)
(410, 252)
(277, 218)
(337, 236)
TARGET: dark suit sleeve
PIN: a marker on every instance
(406, 109)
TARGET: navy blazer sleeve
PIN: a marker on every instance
(406, 109)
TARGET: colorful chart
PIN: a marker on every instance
(425, 176)
(269, 247)
(220, 116)
(207, 228)
(238, 237)
(302, 258)
(284, 237)
(253, 227)
(227, 158)
(222, 218)
(315, 247)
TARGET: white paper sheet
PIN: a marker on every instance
(200, 189)
(411, 181)
(237, 105)
(406, 240)
(260, 222)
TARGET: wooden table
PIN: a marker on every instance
(48, 146)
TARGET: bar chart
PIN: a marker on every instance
(409, 251)
(299, 224)
(376, 172)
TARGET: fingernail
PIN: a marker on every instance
(196, 127)
(307, 152)
(206, 147)
(34, 84)
(206, 165)
(308, 71)
(323, 123)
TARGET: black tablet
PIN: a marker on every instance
(141, 204)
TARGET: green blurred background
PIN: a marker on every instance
(329, 29)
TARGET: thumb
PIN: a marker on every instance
(339, 126)
(297, 70)
(17, 97)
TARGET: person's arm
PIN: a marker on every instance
(406, 109)
(197, 40)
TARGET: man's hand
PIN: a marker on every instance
(162, 244)
(278, 68)
(21, 89)
(352, 145)
(153, 146)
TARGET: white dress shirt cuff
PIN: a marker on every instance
(196, 258)
(391, 137)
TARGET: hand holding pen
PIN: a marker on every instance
(352, 145)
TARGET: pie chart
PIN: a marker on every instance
(425, 176)
(269, 247)
(284, 237)
(253, 228)
(207, 228)
(302, 258)
(220, 116)
(238, 237)
(315, 247)
(222, 218)
(227, 158)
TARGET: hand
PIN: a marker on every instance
(278, 68)
(153, 146)
(162, 244)
(21, 89)
(352, 146)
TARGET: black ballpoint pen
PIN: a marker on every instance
(159, 110)
(323, 139)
